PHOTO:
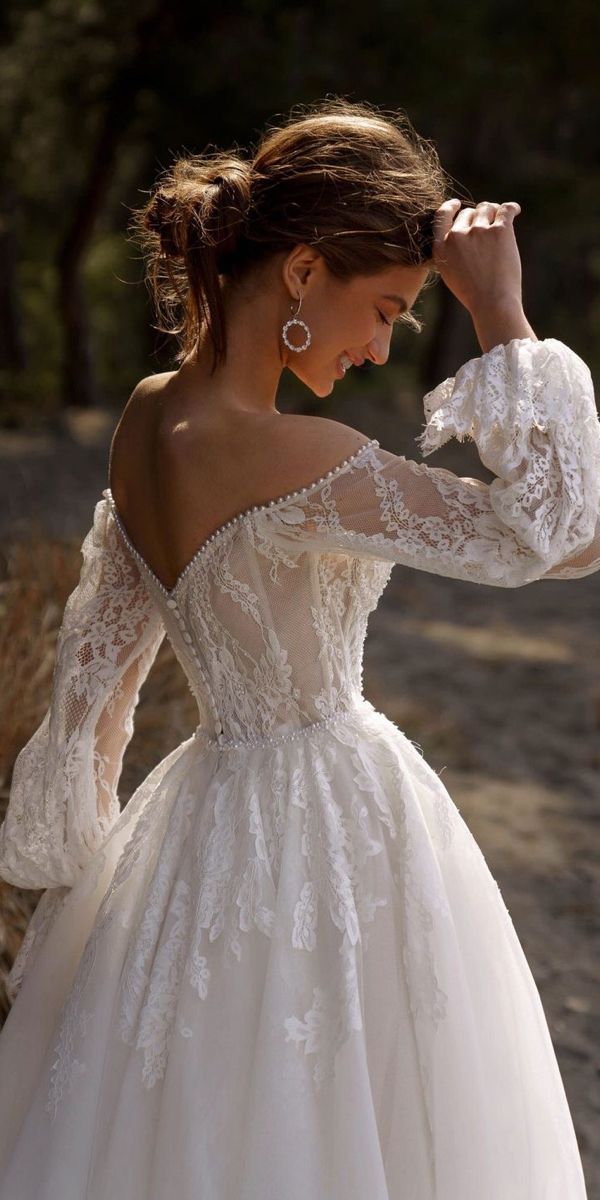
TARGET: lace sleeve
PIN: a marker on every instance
(530, 408)
(63, 797)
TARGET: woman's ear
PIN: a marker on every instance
(299, 266)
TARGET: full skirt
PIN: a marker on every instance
(287, 975)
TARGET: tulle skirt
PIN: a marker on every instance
(288, 975)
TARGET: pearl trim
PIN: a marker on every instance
(233, 521)
(290, 735)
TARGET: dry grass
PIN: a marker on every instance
(38, 575)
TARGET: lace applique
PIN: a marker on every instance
(67, 1070)
(334, 1014)
(46, 912)
(63, 799)
(269, 624)
(152, 968)
(304, 932)
(156, 1019)
(531, 409)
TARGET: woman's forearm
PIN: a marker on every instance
(500, 324)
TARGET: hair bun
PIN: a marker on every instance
(160, 219)
(201, 203)
(223, 210)
(355, 182)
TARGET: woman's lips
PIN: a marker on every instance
(353, 362)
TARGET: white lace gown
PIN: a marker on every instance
(284, 971)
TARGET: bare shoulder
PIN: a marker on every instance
(150, 385)
(135, 406)
(214, 463)
(153, 381)
(313, 445)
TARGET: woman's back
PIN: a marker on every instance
(283, 967)
(182, 465)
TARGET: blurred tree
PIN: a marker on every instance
(146, 41)
(96, 98)
(12, 349)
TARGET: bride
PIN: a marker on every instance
(283, 970)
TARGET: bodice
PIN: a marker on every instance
(270, 641)
(269, 617)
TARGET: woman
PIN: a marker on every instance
(285, 970)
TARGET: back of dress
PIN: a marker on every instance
(270, 615)
(271, 636)
(284, 969)
(268, 618)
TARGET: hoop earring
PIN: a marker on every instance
(295, 321)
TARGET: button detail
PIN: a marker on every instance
(276, 739)
(231, 523)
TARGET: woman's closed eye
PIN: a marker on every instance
(383, 318)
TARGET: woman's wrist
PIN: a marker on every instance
(500, 323)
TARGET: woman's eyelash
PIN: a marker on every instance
(384, 319)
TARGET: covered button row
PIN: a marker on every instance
(187, 637)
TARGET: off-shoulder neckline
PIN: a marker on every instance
(228, 525)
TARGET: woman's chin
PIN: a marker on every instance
(320, 386)
(325, 385)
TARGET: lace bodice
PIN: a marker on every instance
(270, 640)
(269, 618)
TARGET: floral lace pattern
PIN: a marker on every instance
(217, 882)
(109, 637)
(333, 827)
(530, 408)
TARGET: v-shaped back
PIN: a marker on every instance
(269, 616)
(231, 522)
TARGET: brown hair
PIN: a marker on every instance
(355, 181)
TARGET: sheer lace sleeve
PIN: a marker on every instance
(63, 796)
(530, 408)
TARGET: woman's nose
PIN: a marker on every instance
(378, 350)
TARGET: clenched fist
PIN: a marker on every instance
(476, 254)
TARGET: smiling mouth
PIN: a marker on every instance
(345, 362)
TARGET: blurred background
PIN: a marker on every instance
(499, 687)
(96, 97)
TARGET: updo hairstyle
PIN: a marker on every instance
(355, 181)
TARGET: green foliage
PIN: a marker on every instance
(96, 98)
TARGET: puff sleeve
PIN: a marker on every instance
(63, 796)
(530, 408)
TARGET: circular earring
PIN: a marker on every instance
(295, 321)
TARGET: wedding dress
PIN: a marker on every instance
(284, 971)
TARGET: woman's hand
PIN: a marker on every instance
(476, 254)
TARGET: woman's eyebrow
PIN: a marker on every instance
(397, 299)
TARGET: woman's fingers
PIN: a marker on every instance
(507, 212)
(484, 213)
(444, 216)
(488, 213)
(475, 251)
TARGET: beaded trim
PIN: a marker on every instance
(290, 735)
(247, 512)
